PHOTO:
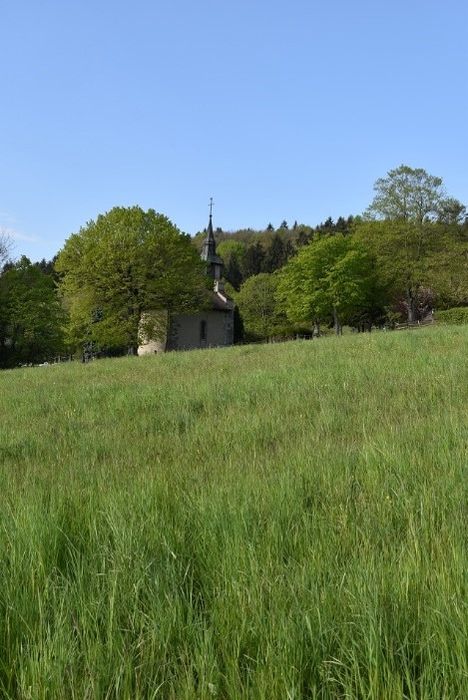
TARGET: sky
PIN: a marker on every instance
(278, 109)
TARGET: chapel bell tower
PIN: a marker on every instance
(214, 262)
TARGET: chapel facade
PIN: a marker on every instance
(211, 327)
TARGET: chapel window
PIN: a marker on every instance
(202, 330)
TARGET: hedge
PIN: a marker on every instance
(457, 316)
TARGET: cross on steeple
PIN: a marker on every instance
(211, 207)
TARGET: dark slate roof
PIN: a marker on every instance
(220, 304)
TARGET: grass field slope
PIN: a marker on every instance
(279, 522)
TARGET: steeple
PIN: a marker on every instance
(214, 262)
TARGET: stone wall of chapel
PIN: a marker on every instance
(150, 346)
(186, 330)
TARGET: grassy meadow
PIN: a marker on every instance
(275, 522)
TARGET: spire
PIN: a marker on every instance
(208, 253)
(209, 244)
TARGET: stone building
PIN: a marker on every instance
(212, 327)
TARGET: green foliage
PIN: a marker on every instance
(253, 260)
(407, 194)
(124, 264)
(232, 253)
(451, 211)
(31, 315)
(258, 307)
(412, 257)
(277, 254)
(5, 247)
(230, 248)
(457, 316)
(331, 277)
(278, 526)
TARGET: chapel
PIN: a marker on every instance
(211, 327)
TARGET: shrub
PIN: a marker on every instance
(457, 316)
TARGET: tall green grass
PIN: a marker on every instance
(286, 521)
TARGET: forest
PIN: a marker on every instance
(403, 260)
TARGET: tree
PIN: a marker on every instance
(451, 211)
(258, 306)
(303, 237)
(277, 253)
(331, 278)
(409, 194)
(48, 266)
(232, 273)
(410, 201)
(5, 246)
(120, 267)
(253, 260)
(232, 253)
(31, 315)
(412, 257)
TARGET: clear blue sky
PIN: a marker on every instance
(277, 109)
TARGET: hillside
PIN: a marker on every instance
(277, 521)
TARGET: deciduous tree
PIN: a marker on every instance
(232, 253)
(259, 308)
(412, 257)
(410, 194)
(331, 278)
(120, 266)
(5, 246)
(31, 315)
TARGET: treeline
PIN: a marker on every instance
(403, 257)
(32, 315)
(248, 252)
(379, 272)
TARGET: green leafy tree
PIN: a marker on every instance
(258, 307)
(451, 211)
(5, 247)
(232, 273)
(410, 194)
(232, 253)
(230, 248)
(447, 270)
(303, 235)
(120, 267)
(31, 315)
(412, 252)
(331, 278)
(412, 257)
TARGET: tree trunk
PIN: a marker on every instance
(411, 306)
(336, 322)
(316, 330)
